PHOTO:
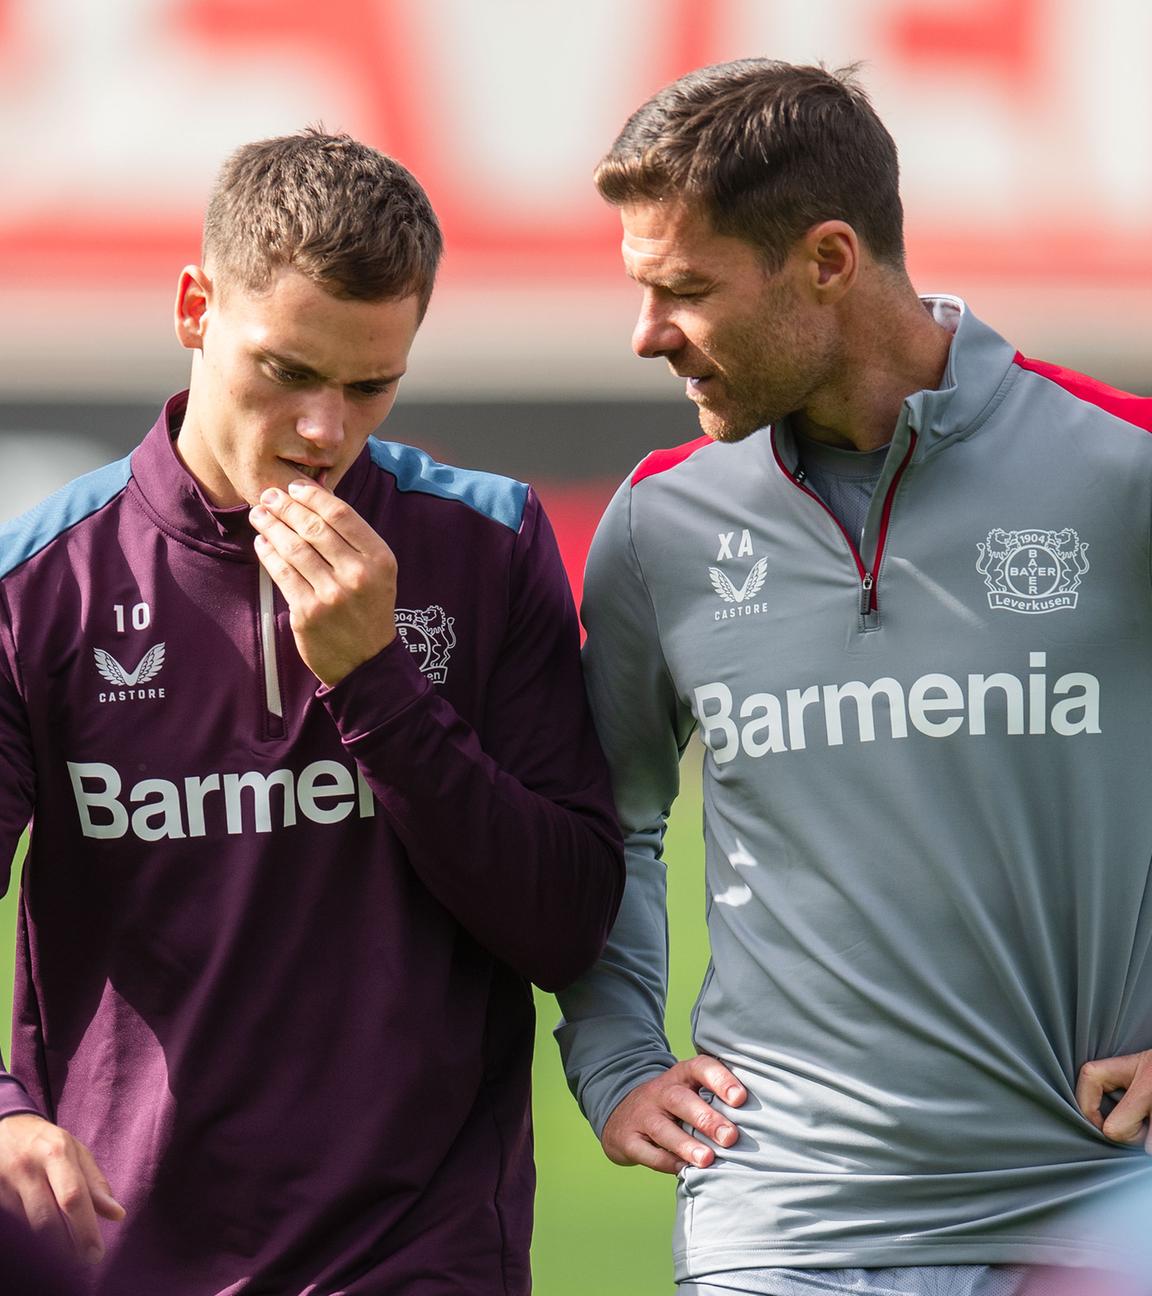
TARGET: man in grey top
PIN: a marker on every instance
(901, 589)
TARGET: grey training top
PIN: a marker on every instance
(903, 1280)
(845, 480)
(927, 816)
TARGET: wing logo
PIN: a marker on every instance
(753, 582)
(148, 667)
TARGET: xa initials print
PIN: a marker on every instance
(745, 549)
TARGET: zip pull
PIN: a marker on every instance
(800, 476)
(272, 698)
(866, 594)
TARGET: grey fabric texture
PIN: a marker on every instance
(844, 479)
(909, 1280)
(927, 820)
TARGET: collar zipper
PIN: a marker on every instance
(272, 699)
(869, 604)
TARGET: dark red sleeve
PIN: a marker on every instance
(512, 828)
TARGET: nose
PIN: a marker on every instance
(655, 334)
(322, 420)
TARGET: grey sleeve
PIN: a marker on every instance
(612, 1034)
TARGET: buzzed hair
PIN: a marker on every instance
(344, 215)
(766, 150)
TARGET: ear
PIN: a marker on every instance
(833, 259)
(193, 297)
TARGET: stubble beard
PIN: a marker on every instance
(755, 396)
(735, 420)
(726, 430)
(754, 412)
(760, 407)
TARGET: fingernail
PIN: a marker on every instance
(733, 1093)
(93, 1255)
(725, 1132)
(270, 496)
(700, 1156)
(299, 486)
(259, 514)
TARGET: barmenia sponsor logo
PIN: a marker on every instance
(202, 805)
(935, 705)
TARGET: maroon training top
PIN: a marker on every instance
(276, 940)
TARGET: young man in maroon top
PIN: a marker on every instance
(298, 717)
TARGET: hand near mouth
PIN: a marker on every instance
(336, 574)
(314, 472)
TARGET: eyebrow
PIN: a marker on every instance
(671, 279)
(300, 367)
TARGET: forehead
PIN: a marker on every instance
(666, 241)
(298, 319)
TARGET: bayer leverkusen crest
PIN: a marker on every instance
(1032, 571)
(428, 635)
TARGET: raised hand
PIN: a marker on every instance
(336, 574)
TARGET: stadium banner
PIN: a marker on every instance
(1021, 123)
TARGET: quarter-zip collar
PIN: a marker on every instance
(868, 555)
(181, 509)
(978, 373)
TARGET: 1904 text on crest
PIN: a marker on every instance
(1032, 571)
(428, 635)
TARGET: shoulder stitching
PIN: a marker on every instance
(661, 460)
(25, 536)
(1136, 410)
(501, 499)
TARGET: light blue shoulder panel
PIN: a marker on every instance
(500, 498)
(26, 535)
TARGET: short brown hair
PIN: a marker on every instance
(768, 150)
(346, 216)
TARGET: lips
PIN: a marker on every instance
(693, 379)
(315, 472)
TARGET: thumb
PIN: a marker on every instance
(711, 1073)
(1125, 1124)
(106, 1205)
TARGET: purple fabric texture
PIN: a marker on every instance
(273, 969)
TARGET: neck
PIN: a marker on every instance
(891, 347)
